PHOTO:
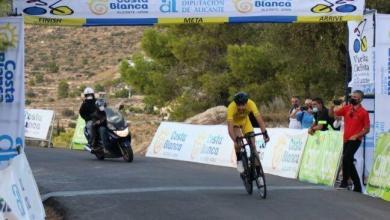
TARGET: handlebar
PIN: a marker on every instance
(250, 135)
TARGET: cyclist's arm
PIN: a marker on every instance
(231, 130)
(261, 122)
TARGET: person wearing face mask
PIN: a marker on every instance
(356, 126)
(321, 116)
(87, 109)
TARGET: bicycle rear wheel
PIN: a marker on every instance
(246, 176)
(260, 180)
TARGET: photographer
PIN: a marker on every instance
(305, 115)
(295, 108)
(338, 123)
(357, 125)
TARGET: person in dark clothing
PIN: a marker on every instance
(99, 119)
(321, 116)
(87, 110)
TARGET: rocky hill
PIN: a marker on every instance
(82, 57)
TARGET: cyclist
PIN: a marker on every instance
(239, 122)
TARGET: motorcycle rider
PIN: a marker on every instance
(87, 109)
(100, 122)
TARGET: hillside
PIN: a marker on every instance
(82, 57)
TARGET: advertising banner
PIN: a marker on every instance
(37, 123)
(209, 144)
(379, 179)
(19, 195)
(382, 75)
(361, 52)
(150, 12)
(321, 158)
(11, 88)
(79, 140)
(282, 155)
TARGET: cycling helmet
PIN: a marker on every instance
(101, 104)
(241, 98)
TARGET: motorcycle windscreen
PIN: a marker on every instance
(116, 119)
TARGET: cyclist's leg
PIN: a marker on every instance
(237, 133)
(248, 128)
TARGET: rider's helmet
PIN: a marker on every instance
(101, 104)
(241, 98)
(89, 93)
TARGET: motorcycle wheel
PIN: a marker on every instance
(127, 154)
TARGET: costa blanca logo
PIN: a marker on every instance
(160, 141)
(328, 6)
(198, 145)
(243, 6)
(98, 7)
(8, 34)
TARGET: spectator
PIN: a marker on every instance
(357, 125)
(305, 115)
(321, 116)
(293, 122)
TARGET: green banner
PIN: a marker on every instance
(379, 179)
(79, 140)
(321, 158)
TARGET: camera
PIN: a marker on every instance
(337, 102)
(304, 108)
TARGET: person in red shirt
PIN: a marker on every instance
(357, 125)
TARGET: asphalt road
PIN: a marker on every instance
(86, 188)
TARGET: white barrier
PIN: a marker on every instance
(19, 196)
(37, 124)
(196, 143)
(19, 191)
(282, 155)
(211, 144)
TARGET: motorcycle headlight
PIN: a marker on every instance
(122, 133)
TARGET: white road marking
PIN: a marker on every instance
(173, 188)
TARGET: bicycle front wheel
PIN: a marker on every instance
(245, 176)
(260, 180)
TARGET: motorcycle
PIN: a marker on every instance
(119, 138)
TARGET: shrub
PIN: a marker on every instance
(30, 94)
(67, 112)
(123, 93)
(63, 89)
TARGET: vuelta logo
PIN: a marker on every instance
(360, 43)
(41, 7)
(243, 6)
(328, 6)
(98, 7)
(9, 148)
(168, 6)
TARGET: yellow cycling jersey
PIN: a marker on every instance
(241, 118)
